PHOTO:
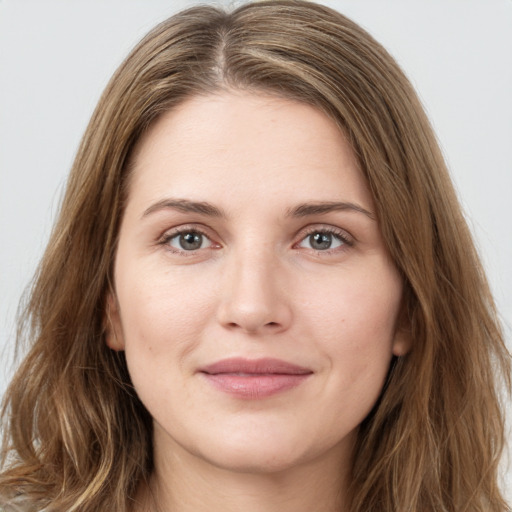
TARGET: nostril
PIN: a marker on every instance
(253, 328)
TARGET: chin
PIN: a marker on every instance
(255, 460)
(268, 451)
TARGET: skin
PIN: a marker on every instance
(258, 286)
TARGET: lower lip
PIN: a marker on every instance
(254, 387)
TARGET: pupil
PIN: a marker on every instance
(191, 241)
(321, 241)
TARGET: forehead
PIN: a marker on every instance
(234, 146)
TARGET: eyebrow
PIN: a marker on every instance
(306, 209)
(186, 206)
(302, 210)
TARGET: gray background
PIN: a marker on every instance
(56, 56)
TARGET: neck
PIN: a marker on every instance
(183, 482)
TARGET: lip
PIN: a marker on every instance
(254, 378)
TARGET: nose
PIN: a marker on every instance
(253, 295)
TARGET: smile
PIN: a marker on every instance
(254, 379)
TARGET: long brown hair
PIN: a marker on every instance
(77, 438)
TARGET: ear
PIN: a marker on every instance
(113, 331)
(402, 342)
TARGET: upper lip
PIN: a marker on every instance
(262, 366)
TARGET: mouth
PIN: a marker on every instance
(254, 379)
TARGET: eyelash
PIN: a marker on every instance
(182, 230)
(341, 235)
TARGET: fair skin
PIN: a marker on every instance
(285, 261)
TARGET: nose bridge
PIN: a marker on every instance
(252, 293)
(254, 274)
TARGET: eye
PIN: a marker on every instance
(189, 240)
(324, 240)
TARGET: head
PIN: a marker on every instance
(415, 437)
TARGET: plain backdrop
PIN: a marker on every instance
(56, 56)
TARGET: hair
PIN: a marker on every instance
(76, 436)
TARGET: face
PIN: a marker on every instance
(254, 296)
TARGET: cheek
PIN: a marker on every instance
(353, 320)
(162, 328)
(162, 318)
(352, 304)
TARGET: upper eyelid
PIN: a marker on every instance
(183, 228)
(329, 228)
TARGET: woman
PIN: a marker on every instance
(261, 292)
